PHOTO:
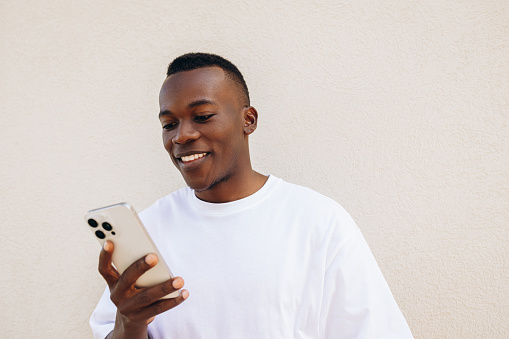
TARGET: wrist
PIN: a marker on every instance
(124, 328)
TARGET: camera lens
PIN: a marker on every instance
(107, 226)
(100, 234)
(92, 222)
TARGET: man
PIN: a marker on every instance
(262, 258)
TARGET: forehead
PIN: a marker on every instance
(202, 83)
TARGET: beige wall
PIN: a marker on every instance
(396, 109)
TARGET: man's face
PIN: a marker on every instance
(203, 126)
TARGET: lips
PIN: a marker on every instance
(190, 157)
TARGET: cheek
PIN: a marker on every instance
(167, 141)
(233, 147)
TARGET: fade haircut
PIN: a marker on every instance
(190, 61)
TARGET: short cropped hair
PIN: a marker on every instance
(190, 61)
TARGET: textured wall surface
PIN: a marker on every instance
(396, 109)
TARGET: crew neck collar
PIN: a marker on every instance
(232, 207)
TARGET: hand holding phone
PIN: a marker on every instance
(140, 283)
(121, 225)
(137, 307)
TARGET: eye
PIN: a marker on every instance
(203, 118)
(170, 126)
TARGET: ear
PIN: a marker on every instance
(250, 120)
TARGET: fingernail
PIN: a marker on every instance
(178, 283)
(185, 294)
(107, 246)
(151, 259)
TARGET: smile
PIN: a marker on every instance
(193, 157)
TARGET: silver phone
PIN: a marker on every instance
(121, 225)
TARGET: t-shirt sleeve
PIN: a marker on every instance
(357, 302)
(102, 320)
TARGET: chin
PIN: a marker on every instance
(200, 188)
(198, 184)
(205, 185)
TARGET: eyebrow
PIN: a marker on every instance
(191, 105)
(201, 102)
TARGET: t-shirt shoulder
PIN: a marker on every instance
(313, 199)
(332, 220)
(162, 203)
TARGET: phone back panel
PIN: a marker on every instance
(120, 224)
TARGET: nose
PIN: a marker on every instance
(185, 133)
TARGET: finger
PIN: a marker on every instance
(136, 270)
(106, 269)
(156, 292)
(160, 306)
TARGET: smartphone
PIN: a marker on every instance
(121, 225)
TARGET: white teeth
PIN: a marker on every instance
(192, 157)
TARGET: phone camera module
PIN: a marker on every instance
(100, 234)
(107, 226)
(92, 222)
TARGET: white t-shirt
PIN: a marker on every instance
(285, 262)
